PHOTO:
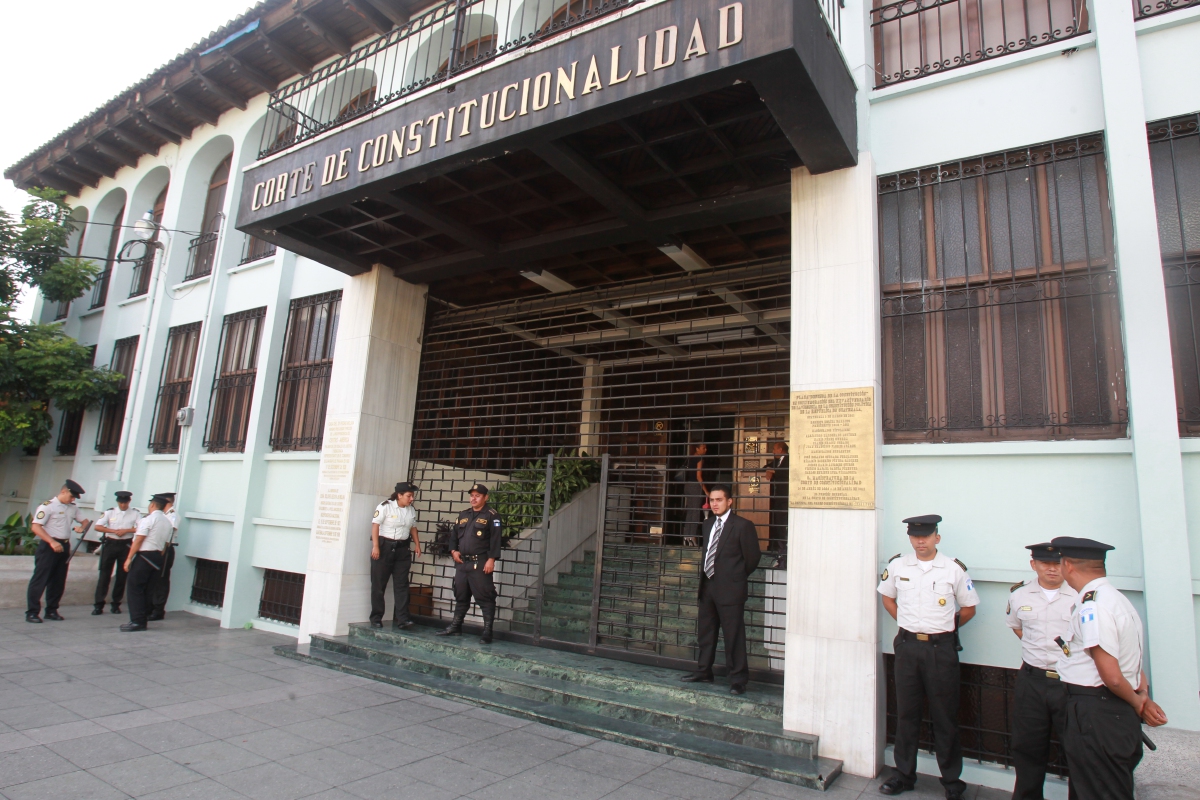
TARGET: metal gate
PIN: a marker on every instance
(582, 411)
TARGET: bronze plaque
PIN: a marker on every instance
(833, 449)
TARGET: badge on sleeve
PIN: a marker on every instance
(41, 515)
(496, 523)
(884, 576)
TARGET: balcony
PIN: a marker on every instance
(256, 249)
(202, 254)
(917, 38)
(1152, 8)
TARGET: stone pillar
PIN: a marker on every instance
(1158, 469)
(589, 422)
(832, 666)
(368, 429)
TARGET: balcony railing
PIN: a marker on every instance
(142, 270)
(100, 287)
(440, 43)
(202, 254)
(256, 250)
(1152, 8)
(916, 38)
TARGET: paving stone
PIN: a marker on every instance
(387, 753)
(64, 732)
(141, 776)
(206, 789)
(395, 785)
(38, 715)
(70, 785)
(692, 787)
(572, 783)
(452, 775)
(31, 764)
(332, 766)
(224, 723)
(272, 782)
(102, 748)
(212, 759)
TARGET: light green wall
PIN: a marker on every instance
(160, 477)
(219, 487)
(1191, 488)
(281, 548)
(289, 490)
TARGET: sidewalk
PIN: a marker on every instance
(188, 710)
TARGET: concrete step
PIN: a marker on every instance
(562, 594)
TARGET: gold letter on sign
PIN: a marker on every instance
(833, 449)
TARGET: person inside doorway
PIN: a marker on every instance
(777, 478)
(695, 495)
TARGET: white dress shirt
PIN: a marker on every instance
(927, 593)
(117, 519)
(1041, 620)
(394, 522)
(1106, 619)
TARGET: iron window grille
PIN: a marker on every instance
(142, 270)
(985, 714)
(202, 254)
(100, 287)
(999, 308)
(233, 386)
(175, 386)
(256, 249)
(915, 38)
(282, 596)
(71, 423)
(208, 582)
(1143, 9)
(62, 309)
(1175, 165)
(303, 391)
(112, 412)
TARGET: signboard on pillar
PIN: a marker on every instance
(833, 449)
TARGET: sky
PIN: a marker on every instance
(65, 59)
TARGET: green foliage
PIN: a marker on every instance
(16, 536)
(68, 279)
(32, 250)
(519, 500)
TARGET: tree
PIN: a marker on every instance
(39, 364)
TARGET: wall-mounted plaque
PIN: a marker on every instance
(833, 449)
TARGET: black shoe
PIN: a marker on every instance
(895, 786)
(33, 618)
(697, 677)
(97, 611)
(376, 623)
(454, 629)
(401, 626)
(54, 615)
(130, 627)
(486, 636)
(157, 616)
(737, 688)
(116, 608)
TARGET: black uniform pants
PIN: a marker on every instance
(1039, 711)
(1103, 743)
(142, 574)
(160, 587)
(49, 576)
(928, 670)
(732, 623)
(395, 559)
(113, 553)
(471, 581)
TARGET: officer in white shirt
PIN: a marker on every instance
(160, 588)
(1101, 665)
(930, 596)
(1039, 612)
(145, 560)
(118, 526)
(52, 523)
(394, 543)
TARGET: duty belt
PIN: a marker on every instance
(1047, 673)
(1091, 691)
(471, 558)
(906, 635)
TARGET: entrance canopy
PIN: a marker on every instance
(636, 128)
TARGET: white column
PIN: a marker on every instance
(368, 429)
(833, 666)
(1158, 471)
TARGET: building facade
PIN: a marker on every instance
(470, 236)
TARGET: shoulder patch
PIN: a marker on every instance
(893, 558)
(1089, 596)
(961, 564)
(884, 576)
(1016, 586)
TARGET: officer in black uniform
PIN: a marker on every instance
(476, 543)
(161, 583)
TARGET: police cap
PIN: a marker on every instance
(161, 499)
(922, 525)
(124, 497)
(479, 487)
(168, 496)
(1044, 552)
(74, 488)
(404, 487)
(1088, 549)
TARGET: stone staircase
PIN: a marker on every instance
(636, 705)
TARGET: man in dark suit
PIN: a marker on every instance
(777, 476)
(731, 553)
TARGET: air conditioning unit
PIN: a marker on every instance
(183, 417)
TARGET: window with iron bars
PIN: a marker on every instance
(256, 249)
(100, 286)
(62, 310)
(999, 308)
(233, 386)
(1175, 165)
(112, 412)
(282, 596)
(71, 423)
(304, 371)
(985, 715)
(1152, 8)
(175, 386)
(208, 582)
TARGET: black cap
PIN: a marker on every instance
(1090, 549)
(124, 497)
(479, 487)
(168, 496)
(161, 499)
(922, 525)
(74, 488)
(404, 487)
(1044, 552)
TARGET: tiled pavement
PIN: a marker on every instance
(188, 710)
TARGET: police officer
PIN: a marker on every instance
(1039, 612)
(929, 595)
(52, 523)
(118, 526)
(1101, 665)
(145, 560)
(161, 583)
(393, 534)
(476, 543)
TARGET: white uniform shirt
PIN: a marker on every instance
(157, 529)
(117, 519)
(58, 518)
(1040, 621)
(394, 522)
(172, 517)
(1103, 618)
(927, 593)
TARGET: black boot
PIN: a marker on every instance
(116, 608)
(98, 610)
(454, 628)
(489, 616)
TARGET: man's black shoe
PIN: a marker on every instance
(402, 626)
(54, 615)
(97, 611)
(33, 618)
(376, 623)
(454, 629)
(697, 677)
(737, 688)
(157, 616)
(116, 608)
(895, 786)
(130, 627)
